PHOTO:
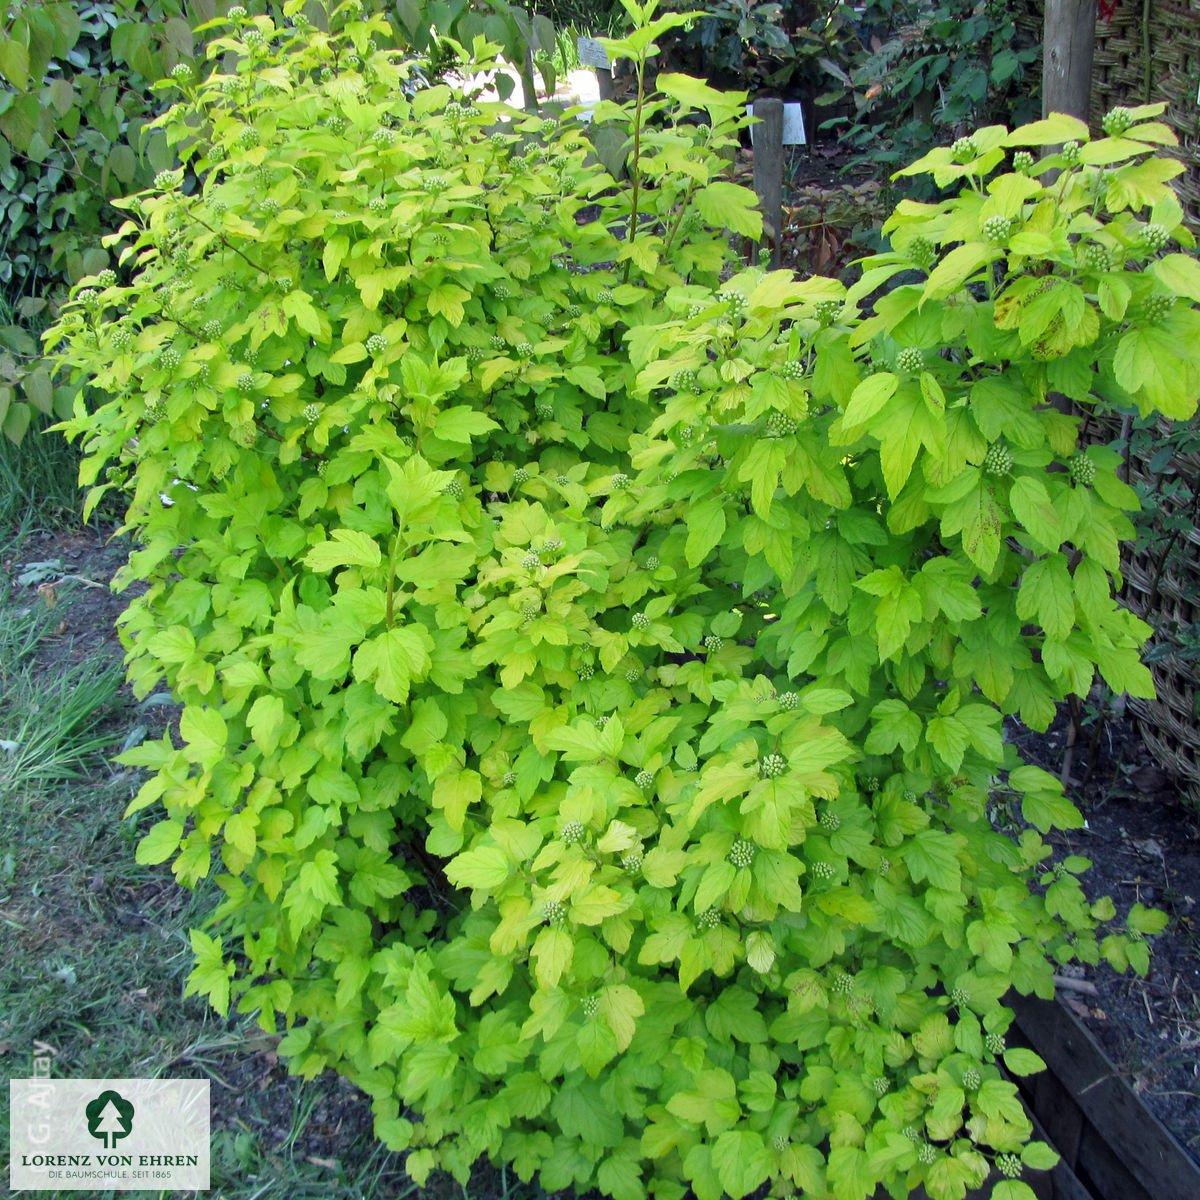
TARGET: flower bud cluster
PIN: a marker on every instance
(1083, 472)
(1155, 236)
(1158, 306)
(771, 766)
(998, 461)
(828, 311)
(779, 425)
(1116, 121)
(964, 150)
(741, 853)
(1009, 1165)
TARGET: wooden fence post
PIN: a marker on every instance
(592, 54)
(1069, 38)
(768, 172)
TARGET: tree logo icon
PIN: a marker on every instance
(109, 1117)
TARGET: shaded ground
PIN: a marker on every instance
(274, 1135)
(1144, 845)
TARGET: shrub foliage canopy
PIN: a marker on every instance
(593, 656)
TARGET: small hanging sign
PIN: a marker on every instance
(793, 125)
(592, 54)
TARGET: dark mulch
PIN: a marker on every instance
(1144, 845)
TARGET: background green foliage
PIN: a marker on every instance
(593, 656)
(763, 47)
(75, 99)
(925, 72)
(76, 96)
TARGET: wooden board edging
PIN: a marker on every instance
(1119, 1141)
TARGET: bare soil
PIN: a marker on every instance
(1144, 845)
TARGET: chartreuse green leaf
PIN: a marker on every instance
(1146, 920)
(850, 1174)
(730, 206)
(705, 529)
(160, 843)
(393, 659)
(344, 547)
(621, 1178)
(1023, 1062)
(1039, 1157)
(713, 1103)
(742, 1161)
(1051, 131)
(1042, 801)
(1032, 506)
(211, 975)
(1013, 1189)
(483, 867)
(1179, 273)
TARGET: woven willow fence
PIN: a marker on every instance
(1147, 52)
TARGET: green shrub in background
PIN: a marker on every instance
(762, 46)
(924, 73)
(77, 95)
(592, 670)
(75, 99)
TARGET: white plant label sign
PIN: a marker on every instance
(592, 54)
(793, 125)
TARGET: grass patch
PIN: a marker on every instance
(96, 951)
(51, 725)
(38, 482)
